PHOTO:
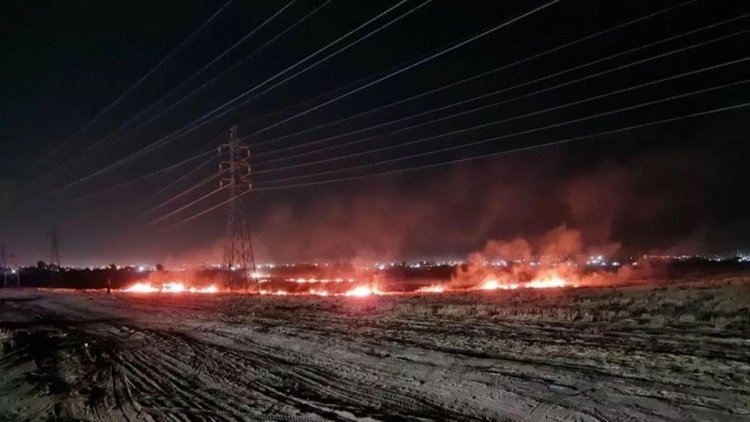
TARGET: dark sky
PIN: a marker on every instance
(678, 186)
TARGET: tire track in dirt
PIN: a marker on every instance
(178, 390)
(230, 358)
(307, 379)
(537, 336)
(160, 367)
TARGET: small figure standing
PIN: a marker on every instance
(109, 286)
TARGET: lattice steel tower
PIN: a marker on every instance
(54, 249)
(10, 275)
(239, 262)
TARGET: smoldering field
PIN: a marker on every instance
(631, 344)
(674, 348)
(665, 201)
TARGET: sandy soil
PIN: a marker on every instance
(677, 350)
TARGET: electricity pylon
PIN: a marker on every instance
(54, 249)
(239, 262)
(9, 274)
(4, 264)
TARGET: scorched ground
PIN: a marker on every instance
(659, 350)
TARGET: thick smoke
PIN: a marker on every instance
(557, 256)
(197, 279)
(544, 203)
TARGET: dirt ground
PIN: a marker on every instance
(664, 350)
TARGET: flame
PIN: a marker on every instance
(302, 280)
(173, 287)
(546, 283)
(362, 291)
(542, 281)
(495, 285)
(141, 288)
(318, 292)
(170, 287)
(274, 292)
(435, 288)
(491, 285)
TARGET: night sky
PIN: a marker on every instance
(680, 186)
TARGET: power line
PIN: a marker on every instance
(88, 151)
(506, 89)
(291, 106)
(190, 127)
(194, 216)
(127, 182)
(524, 132)
(504, 152)
(188, 205)
(480, 75)
(180, 179)
(431, 57)
(472, 158)
(183, 193)
(134, 86)
(233, 66)
(189, 159)
(276, 112)
(493, 123)
(333, 91)
(500, 91)
(398, 72)
(446, 134)
(144, 177)
(624, 52)
(208, 116)
(466, 80)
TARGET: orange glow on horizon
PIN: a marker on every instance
(362, 291)
(141, 288)
(173, 287)
(545, 280)
(491, 285)
(546, 283)
(170, 287)
(435, 288)
(318, 292)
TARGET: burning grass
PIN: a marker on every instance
(641, 342)
(366, 286)
(170, 287)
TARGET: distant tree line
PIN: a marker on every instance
(43, 275)
(51, 276)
